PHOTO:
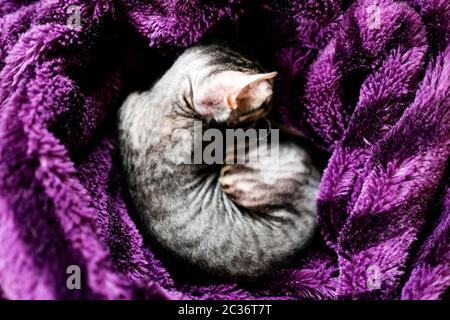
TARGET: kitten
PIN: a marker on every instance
(239, 221)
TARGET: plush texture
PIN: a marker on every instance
(376, 100)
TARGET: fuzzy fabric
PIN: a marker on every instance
(372, 91)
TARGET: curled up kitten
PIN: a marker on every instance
(238, 221)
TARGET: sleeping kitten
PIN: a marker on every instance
(236, 221)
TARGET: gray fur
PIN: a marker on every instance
(241, 224)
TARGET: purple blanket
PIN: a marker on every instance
(367, 81)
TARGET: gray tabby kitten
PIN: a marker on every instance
(239, 221)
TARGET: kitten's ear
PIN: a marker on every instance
(252, 92)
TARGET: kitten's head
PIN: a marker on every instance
(231, 89)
